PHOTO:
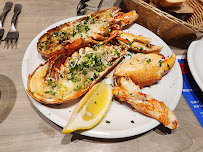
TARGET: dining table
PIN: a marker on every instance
(23, 128)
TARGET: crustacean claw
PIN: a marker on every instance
(126, 90)
(145, 69)
(137, 43)
(167, 64)
(124, 19)
(102, 39)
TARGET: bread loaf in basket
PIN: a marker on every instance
(165, 25)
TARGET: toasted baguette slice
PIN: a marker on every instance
(62, 79)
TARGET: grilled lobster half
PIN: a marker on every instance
(92, 29)
(62, 78)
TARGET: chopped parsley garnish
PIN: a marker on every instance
(117, 53)
(77, 88)
(42, 44)
(74, 33)
(55, 34)
(94, 47)
(160, 63)
(51, 92)
(148, 60)
(61, 75)
(128, 43)
(108, 29)
(78, 27)
(141, 49)
(168, 66)
(63, 33)
(95, 75)
(107, 121)
(87, 19)
(52, 87)
(98, 45)
(87, 28)
(93, 21)
(49, 82)
(59, 39)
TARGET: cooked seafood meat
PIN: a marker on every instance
(61, 78)
(92, 29)
(126, 90)
(145, 69)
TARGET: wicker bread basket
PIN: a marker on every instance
(164, 24)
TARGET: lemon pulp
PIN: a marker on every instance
(91, 109)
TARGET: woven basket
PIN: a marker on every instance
(165, 25)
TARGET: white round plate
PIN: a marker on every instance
(194, 57)
(119, 114)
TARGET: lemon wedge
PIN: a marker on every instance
(91, 109)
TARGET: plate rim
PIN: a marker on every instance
(89, 132)
(191, 64)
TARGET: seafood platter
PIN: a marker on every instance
(64, 61)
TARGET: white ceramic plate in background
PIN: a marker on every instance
(195, 61)
(120, 115)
